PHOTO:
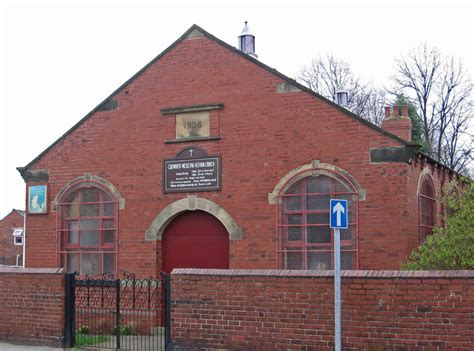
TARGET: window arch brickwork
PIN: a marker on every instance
(87, 228)
(304, 238)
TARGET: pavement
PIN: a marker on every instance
(11, 347)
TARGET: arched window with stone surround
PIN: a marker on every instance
(305, 240)
(426, 207)
(87, 227)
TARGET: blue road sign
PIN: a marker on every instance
(338, 214)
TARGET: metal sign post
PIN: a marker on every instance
(338, 220)
(337, 290)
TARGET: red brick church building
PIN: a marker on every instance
(207, 157)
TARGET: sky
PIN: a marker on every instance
(60, 59)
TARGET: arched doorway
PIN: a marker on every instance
(195, 239)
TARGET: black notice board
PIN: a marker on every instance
(193, 174)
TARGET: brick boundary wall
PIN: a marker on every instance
(32, 306)
(281, 310)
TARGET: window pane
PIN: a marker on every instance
(317, 202)
(294, 219)
(294, 234)
(106, 196)
(347, 260)
(317, 235)
(319, 184)
(90, 210)
(90, 238)
(109, 209)
(427, 188)
(340, 188)
(71, 211)
(318, 218)
(73, 232)
(109, 235)
(90, 232)
(90, 195)
(90, 264)
(90, 224)
(73, 197)
(294, 189)
(293, 203)
(109, 263)
(294, 260)
(72, 263)
(109, 224)
(319, 260)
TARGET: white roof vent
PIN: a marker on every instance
(341, 97)
(247, 41)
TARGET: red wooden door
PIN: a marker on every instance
(195, 240)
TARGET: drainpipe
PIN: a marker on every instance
(24, 239)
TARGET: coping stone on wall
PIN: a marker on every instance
(20, 270)
(373, 274)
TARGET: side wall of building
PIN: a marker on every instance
(288, 310)
(32, 306)
(8, 250)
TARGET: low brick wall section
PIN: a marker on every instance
(32, 306)
(281, 310)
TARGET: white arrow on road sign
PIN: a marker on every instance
(338, 213)
(339, 209)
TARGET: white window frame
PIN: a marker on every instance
(18, 233)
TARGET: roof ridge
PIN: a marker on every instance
(235, 50)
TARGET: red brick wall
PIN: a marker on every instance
(32, 306)
(264, 136)
(8, 250)
(280, 310)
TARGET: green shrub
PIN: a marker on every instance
(451, 247)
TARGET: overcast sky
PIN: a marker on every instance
(60, 59)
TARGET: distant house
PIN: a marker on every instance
(208, 158)
(11, 238)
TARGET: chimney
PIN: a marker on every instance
(397, 124)
(247, 41)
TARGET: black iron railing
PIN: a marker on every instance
(108, 313)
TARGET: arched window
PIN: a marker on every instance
(427, 208)
(305, 240)
(87, 229)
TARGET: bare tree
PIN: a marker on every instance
(373, 109)
(328, 75)
(441, 90)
